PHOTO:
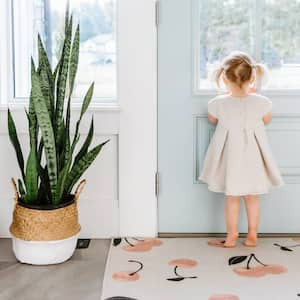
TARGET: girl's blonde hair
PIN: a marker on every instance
(239, 67)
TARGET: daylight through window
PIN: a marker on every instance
(267, 29)
(97, 60)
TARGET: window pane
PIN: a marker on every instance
(97, 59)
(266, 29)
(281, 42)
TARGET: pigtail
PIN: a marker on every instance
(217, 75)
(261, 72)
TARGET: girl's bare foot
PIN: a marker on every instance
(228, 243)
(251, 240)
(231, 240)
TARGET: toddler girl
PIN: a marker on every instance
(239, 161)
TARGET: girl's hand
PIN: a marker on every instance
(267, 118)
(212, 119)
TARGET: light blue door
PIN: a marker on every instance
(185, 204)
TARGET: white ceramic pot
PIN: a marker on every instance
(44, 252)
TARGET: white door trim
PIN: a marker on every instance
(138, 117)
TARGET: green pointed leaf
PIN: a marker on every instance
(62, 80)
(67, 16)
(32, 120)
(31, 175)
(44, 61)
(33, 128)
(47, 92)
(61, 182)
(67, 148)
(86, 144)
(15, 142)
(31, 180)
(48, 79)
(86, 102)
(81, 166)
(43, 57)
(74, 59)
(45, 124)
(55, 73)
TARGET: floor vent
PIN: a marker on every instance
(83, 243)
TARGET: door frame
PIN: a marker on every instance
(138, 215)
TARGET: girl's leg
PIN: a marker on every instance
(232, 210)
(252, 208)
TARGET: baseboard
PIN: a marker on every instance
(190, 235)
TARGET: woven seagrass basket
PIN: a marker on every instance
(45, 225)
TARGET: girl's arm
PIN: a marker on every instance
(267, 111)
(212, 109)
(267, 118)
(212, 119)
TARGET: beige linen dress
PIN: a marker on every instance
(239, 159)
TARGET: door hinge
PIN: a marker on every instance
(156, 183)
(157, 13)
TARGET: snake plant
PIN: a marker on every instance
(52, 168)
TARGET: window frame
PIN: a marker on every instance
(195, 25)
(9, 57)
(6, 86)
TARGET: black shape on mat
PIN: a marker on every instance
(237, 259)
(117, 241)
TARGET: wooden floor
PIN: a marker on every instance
(80, 278)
